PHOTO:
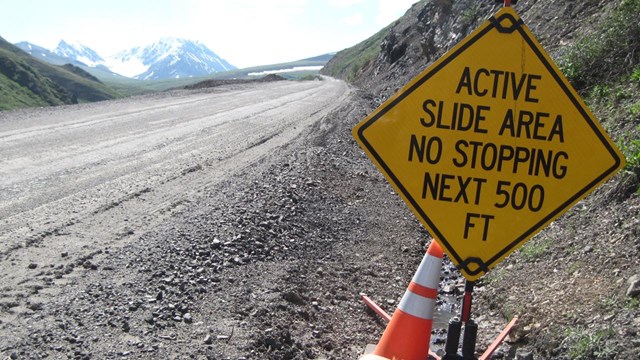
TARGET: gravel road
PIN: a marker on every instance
(76, 180)
(241, 222)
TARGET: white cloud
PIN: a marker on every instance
(391, 10)
(344, 3)
(354, 20)
(244, 32)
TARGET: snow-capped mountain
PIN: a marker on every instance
(51, 57)
(168, 58)
(79, 52)
(47, 55)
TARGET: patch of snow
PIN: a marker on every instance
(129, 68)
(150, 76)
(293, 69)
(85, 60)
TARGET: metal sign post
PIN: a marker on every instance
(455, 328)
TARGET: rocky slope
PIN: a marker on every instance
(430, 28)
(573, 284)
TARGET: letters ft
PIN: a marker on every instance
(471, 223)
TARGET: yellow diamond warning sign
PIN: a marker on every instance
(489, 144)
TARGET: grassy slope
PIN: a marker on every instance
(84, 89)
(13, 95)
(22, 85)
(30, 82)
(605, 68)
(349, 62)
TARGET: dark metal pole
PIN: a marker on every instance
(469, 340)
(453, 339)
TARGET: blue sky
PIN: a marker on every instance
(244, 32)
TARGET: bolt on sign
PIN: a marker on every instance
(489, 144)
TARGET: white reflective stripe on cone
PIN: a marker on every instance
(418, 306)
(373, 357)
(429, 266)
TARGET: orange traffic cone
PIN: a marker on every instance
(408, 333)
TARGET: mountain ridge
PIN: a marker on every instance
(23, 85)
(129, 64)
(28, 81)
(78, 52)
(51, 57)
(168, 58)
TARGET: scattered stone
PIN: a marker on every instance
(634, 286)
(133, 306)
(448, 289)
(293, 297)
(32, 266)
(524, 355)
(35, 306)
(187, 318)
(208, 339)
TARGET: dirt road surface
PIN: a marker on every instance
(77, 183)
(79, 179)
(240, 222)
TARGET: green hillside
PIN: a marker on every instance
(348, 63)
(13, 95)
(26, 81)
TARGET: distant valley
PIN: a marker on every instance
(32, 75)
(167, 58)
